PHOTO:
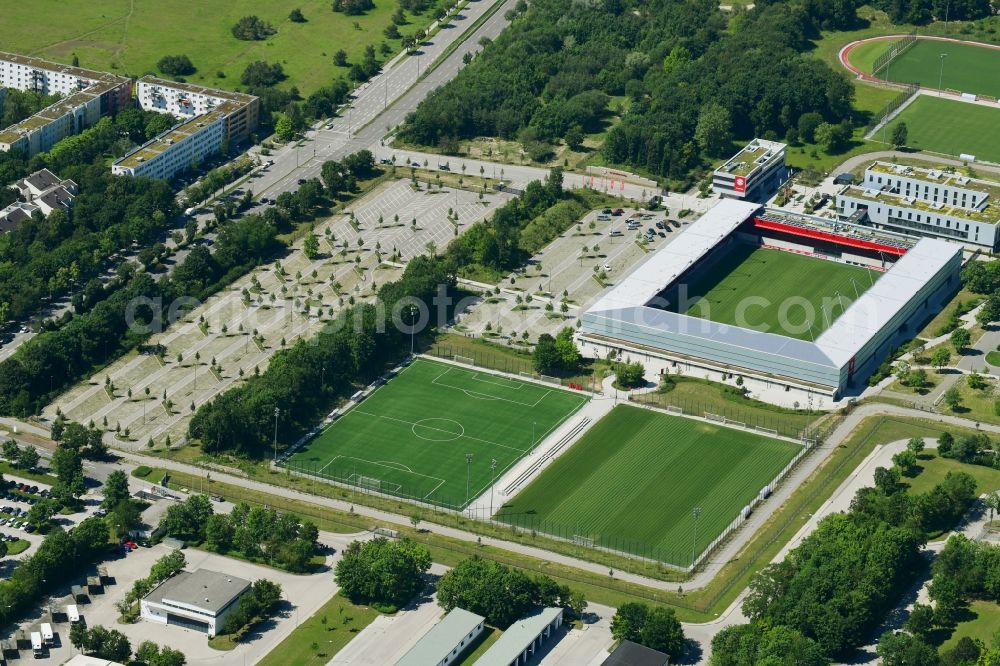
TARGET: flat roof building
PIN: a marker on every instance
(521, 639)
(753, 174)
(446, 640)
(198, 600)
(925, 203)
(87, 95)
(881, 317)
(632, 654)
(211, 119)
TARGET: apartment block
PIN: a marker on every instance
(753, 174)
(182, 146)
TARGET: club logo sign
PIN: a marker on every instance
(740, 184)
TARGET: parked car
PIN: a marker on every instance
(618, 212)
(660, 225)
(606, 211)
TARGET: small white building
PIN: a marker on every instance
(198, 600)
(446, 641)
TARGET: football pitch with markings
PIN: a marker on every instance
(634, 480)
(411, 437)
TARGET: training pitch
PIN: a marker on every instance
(810, 292)
(967, 68)
(410, 437)
(633, 481)
(951, 127)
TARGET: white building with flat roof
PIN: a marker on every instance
(446, 641)
(925, 203)
(754, 173)
(198, 600)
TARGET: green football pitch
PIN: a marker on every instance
(633, 481)
(970, 69)
(803, 295)
(948, 126)
(411, 436)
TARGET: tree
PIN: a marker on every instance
(295, 16)
(382, 571)
(906, 461)
(10, 450)
(904, 649)
(976, 381)
(27, 457)
(68, 467)
(352, 7)
(260, 74)
(283, 127)
(115, 489)
(630, 375)
(662, 631)
(940, 358)
(219, 533)
(953, 398)
(252, 28)
(960, 339)
(310, 246)
(808, 122)
(628, 621)
(178, 65)
(41, 512)
(112, 645)
(921, 620)
(340, 58)
(753, 644)
(899, 135)
(944, 443)
(713, 131)
(546, 356)
(78, 635)
(916, 445)
(151, 654)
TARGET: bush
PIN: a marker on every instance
(352, 7)
(178, 65)
(142, 471)
(252, 28)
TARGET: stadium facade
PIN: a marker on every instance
(917, 278)
(928, 203)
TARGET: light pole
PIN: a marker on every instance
(493, 468)
(276, 413)
(413, 328)
(694, 539)
(468, 475)
(941, 75)
(322, 376)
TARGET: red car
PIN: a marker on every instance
(618, 211)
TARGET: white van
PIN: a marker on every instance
(73, 613)
(36, 645)
(47, 636)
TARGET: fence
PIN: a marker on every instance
(895, 50)
(909, 90)
(774, 423)
(484, 358)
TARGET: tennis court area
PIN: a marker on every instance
(433, 432)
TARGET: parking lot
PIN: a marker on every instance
(575, 269)
(143, 397)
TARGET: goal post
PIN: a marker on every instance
(465, 360)
(583, 541)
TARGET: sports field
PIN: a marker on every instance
(130, 36)
(948, 126)
(804, 295)
(634, 479)
(411, 436)
(967, 68)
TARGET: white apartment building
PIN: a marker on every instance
(753, 174)
(183, 145)
(921, 202)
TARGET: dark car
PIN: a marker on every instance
(660, 225)
(33, 489)
(29, 528)
(301, 181)
(606, 211)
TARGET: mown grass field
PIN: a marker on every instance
(634, 479)
(410, 437)
(130, 36)
(967, 68)
(720, 294)
(948, 126)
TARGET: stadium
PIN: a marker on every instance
(796, 301)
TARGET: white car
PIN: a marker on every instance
(606, 267)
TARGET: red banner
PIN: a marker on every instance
(740, 184)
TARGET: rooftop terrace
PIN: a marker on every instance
(943, 175)
(745, 162)
(990, 215)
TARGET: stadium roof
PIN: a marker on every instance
(444, 637)
(516, 639)
(834, 348)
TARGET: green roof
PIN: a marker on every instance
(172, 136)
(990, 215)
(445, 636)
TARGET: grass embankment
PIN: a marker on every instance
(319, 638)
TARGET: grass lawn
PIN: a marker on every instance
(936, 325)
(318, 639)
(933, 469)
(993, 358)
(967, 68)
(17, 547)
(411, 437)
(720, 294)
(976, 404)
(951, 127)
(981, 622)
(40, 477)
(697, 396)
(130, 37)
(634, 459)
(482, 643)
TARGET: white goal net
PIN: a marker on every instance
(467, 360)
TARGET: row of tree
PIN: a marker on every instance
(255, 533)
(657, 628)
(382, 573)
(112, 645)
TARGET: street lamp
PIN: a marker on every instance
(941, 75)
(276, 413)
(413, 328)
(694, 539)
(493, 467)
(468, 475)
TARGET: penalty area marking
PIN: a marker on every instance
(484, 396)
